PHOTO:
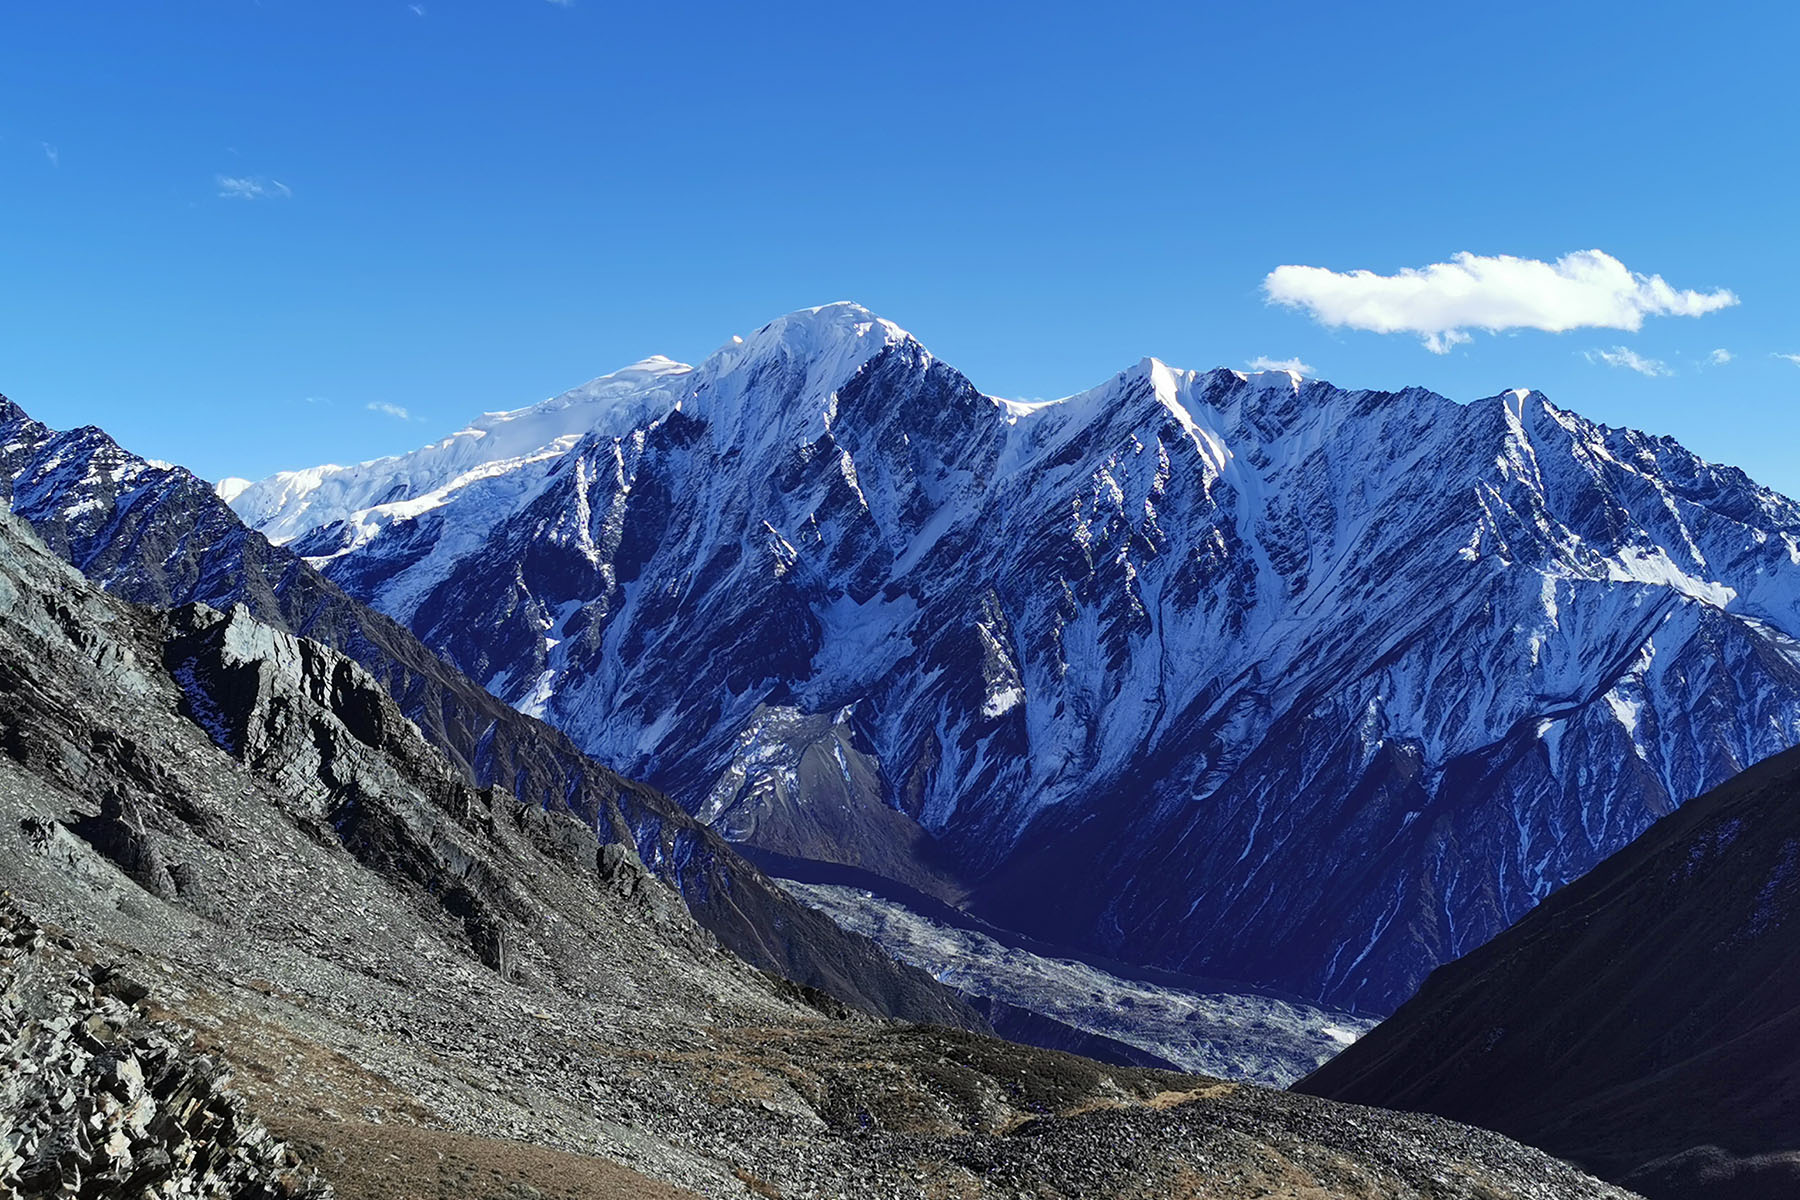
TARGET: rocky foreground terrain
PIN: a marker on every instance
(100, 1099)
(425, 988)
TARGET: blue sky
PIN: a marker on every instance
(227, 236)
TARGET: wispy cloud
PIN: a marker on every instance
(391, 410)
(252, 187)
(1630, 360)
(52, 153)
(1719, 358)
(418, 10)
(1263, 362)
(563, 3)
(1793, 358)
(1442, 302)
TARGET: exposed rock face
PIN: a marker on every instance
(1642, 1021)
(427, 985)
(97, 1099)
(1247, 677)
(157, 535)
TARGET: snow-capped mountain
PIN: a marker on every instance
(158, 536)
(1242, 675)
(496, 445)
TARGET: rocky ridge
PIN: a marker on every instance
(155, 534)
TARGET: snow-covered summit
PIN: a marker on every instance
(780, 381)
(292, 502)
(821, 346)
(1239, 673)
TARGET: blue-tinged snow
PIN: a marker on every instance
(370, 495)
(1264, 587)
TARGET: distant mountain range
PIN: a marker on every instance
(1245, 676)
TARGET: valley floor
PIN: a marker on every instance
(1232, 1035)
(406, 1075)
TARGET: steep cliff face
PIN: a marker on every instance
(157, 535)
(1246, 676)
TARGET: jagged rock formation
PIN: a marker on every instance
(99, 1100)
(429, 987)
(157, 535)
(1641, 1021)
(1245, 676)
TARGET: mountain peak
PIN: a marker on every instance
(812, 351)
(827, 331)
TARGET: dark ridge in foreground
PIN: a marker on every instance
(158, 535)
(1644, 1021)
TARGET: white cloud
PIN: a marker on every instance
(1793, 358)
(52, 153)
(1443, 301)
(252, 187)
(1263, 362)
(392, 410)
(1719, 358)
(563, 3)
(1631, 360)
(417, 9)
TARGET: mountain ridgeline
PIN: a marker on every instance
(157, 535)
(1244, 676)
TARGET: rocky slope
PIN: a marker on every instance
(1641, 1021)
(100, 1100)
(431, 988)
(155, 534)
(1245, 676)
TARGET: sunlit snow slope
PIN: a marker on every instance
(1246, 676)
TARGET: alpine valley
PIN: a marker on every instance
(294, 908)
(1241, 677)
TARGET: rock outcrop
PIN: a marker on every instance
(97, 1099)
